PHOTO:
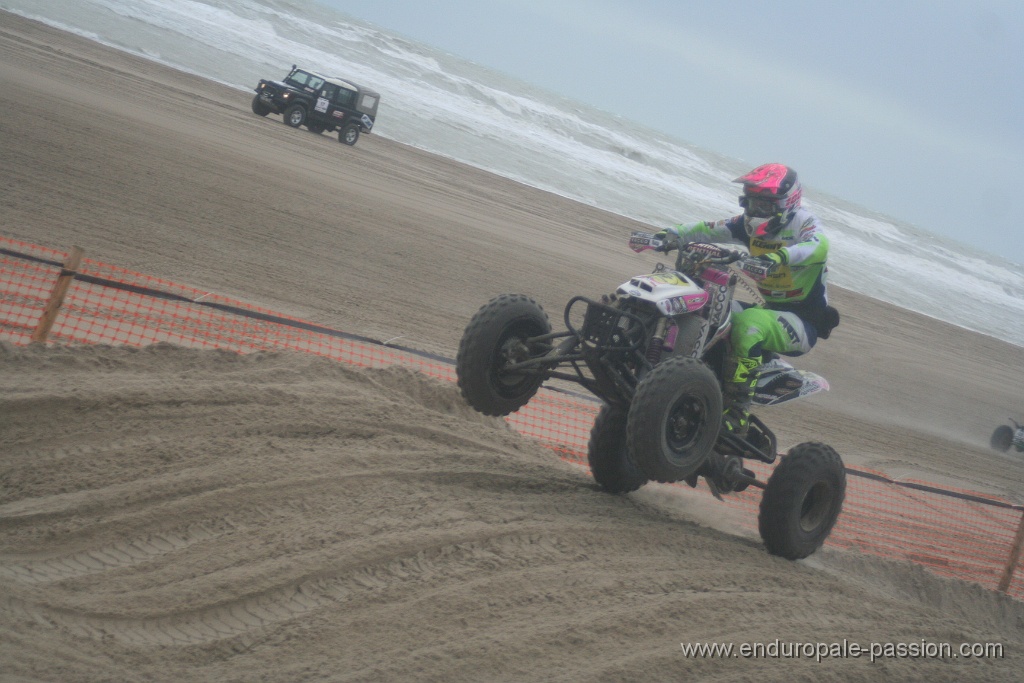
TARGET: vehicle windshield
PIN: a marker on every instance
(304, 79)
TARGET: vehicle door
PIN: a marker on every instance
(343, 104)
(322, 105)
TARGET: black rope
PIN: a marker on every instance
(933, 489)
(28, 257)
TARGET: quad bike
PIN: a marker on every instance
(1005, 436)
(655, 352)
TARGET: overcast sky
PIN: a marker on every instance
(914, 108)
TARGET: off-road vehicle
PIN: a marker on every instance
(321, 103)
(656, 352)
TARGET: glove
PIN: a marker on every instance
(774, 260)
(669, 237)
(683, 234)
(764, 265)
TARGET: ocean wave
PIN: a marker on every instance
(462, 111)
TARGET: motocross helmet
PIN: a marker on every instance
(771, 194)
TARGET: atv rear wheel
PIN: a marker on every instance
(495, 338)
(802, 501)
(1002, 438)
(674, 419)
(608, 456)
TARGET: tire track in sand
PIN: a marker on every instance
(114, 556)
(417, 563)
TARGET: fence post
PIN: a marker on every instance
(60, 290)
(1011, 564)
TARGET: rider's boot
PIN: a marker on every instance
(737, 395)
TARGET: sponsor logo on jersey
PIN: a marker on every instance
(794, 336)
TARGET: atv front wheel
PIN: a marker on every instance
(802, 501)
(689, 331)
(496, 337)
(608, 456)
(674, 419)
(1002, 438)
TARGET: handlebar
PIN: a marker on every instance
(695, 256)
(699, 252)
(691, 252)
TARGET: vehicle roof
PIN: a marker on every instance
(349, 85)
(342, 82)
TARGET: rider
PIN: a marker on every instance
(788, 240)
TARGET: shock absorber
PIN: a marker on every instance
(654, 350)
(657, 343)
(670, 337)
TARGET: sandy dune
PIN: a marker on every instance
(169, 514)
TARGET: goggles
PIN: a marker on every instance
(759, 206)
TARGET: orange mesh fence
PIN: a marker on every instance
(111, 305)
(954, 533)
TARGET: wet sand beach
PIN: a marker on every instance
(173, 514)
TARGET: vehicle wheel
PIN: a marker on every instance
(802, 500)
(495, 337)
(349, 134)
(258, 107)
(1002, 438)
(315, 128)
(294, 115)
(674, 419)
(607, 455)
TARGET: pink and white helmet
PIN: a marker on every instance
(771, 192)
